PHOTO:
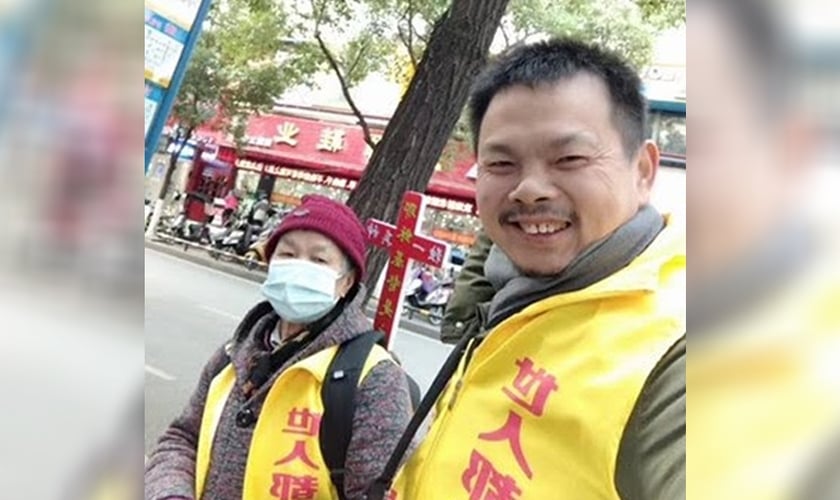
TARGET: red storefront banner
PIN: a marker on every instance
(295, 174)
(281, 145)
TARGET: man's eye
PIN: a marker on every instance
(285, 255)
(500, 163)
(565, 160)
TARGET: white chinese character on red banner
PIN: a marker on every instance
(287, 133)
(387, 240)
(332, 140)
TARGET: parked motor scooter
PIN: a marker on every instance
(187, 229)
(431, 304)
(235, 240)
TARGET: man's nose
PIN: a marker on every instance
(534, 186)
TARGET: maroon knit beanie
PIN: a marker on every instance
(331, 218)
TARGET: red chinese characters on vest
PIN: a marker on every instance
(298, 487)
(289, 487)
(531, 388)
(530, 391)
(298, 453)
(511, 432)
(484, 482)
(303, 422)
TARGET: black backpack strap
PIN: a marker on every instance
(380, 487)
(338, 394)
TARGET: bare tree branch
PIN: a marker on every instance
(425, 38)
(528, 34)
(515, 40)
(406, 40)
(318, 13)
(422, 38)
(411, 34)
(192, 100)
(504, 34)
(406, 35)
(358, 58)
(345, 90)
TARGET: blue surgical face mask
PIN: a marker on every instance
(300, 291)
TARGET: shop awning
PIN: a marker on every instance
(335, 149)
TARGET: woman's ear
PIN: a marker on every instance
(345, 283)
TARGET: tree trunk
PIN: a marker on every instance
(418, 131)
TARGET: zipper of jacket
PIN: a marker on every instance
(459, 384)
(447, 413)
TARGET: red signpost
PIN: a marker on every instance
(404, 245)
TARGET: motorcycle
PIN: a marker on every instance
(431, 304)
(189, 230)
(236, 239)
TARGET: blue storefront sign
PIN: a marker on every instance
(172, 28)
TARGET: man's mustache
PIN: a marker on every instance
(511, 215)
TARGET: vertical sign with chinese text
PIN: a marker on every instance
(171, 31)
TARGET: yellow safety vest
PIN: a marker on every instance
(763, 400)
(539, 411)
(284, 459)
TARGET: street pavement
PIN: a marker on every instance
(191, 310)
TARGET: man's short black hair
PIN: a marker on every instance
(547, 63)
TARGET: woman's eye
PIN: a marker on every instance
(286, 255)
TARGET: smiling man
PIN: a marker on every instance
(558, 172)
(575, 387)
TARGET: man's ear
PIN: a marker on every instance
(647, 166)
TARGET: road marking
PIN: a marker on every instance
(159, 373)
(220, 312)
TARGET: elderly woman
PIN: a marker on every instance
(256, 426)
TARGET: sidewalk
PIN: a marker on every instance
(200, 256)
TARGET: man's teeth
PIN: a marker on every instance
(542, 228)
